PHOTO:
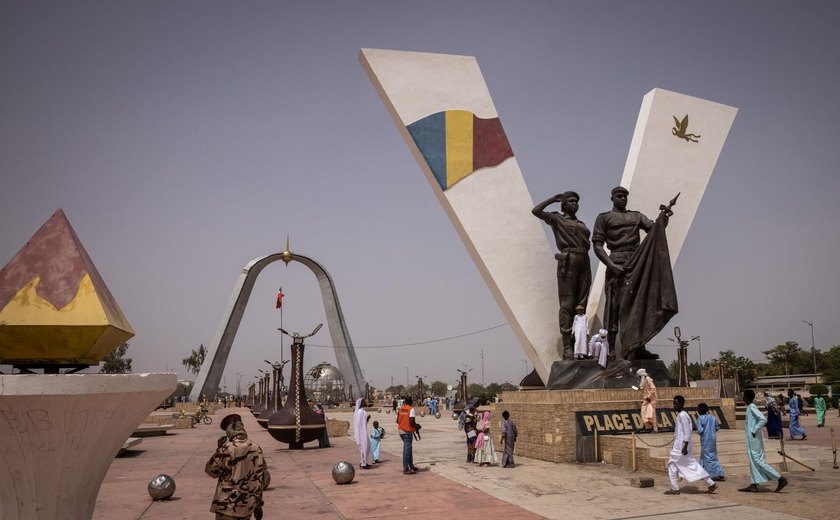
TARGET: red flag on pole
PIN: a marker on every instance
(280, 298)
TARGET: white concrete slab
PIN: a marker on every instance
(59, 434)
(491, 208)
(660, 165)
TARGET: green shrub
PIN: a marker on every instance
(818, 389)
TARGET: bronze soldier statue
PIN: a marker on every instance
(619, 229)
(574, 276)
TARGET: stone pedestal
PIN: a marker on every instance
(560, 425)
(184, 423)
(59, 434)
(570, 374)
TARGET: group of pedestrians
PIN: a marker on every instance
(479, 441)
(681, 462)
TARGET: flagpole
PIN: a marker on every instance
(281, 326)
(281, 355)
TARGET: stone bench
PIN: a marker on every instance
(129, 443)
(152, 430)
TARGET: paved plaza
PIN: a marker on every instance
(448, 487)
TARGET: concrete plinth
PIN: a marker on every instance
(59, 434)
(571, 374)
(560, 425)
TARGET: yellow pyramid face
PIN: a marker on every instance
(54, 307)
(28, 308)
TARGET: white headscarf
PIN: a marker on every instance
(360, 433)
(359, 422)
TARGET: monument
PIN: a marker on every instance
(59, 430)
(296, 422)
(443, 109)
(210, 374)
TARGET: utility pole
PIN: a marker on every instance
(813, 349)
(482, 367)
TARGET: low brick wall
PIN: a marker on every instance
(548, 428)
(338, 428)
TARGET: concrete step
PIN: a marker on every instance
(732, 452)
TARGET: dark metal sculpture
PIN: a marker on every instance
(275, 401)
(574, 276)
(261, 405)
(640, 293)
(296, 423)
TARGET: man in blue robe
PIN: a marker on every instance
(707, 427)
(760, 471)
(795, 428)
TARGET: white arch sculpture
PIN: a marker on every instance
(207, 382)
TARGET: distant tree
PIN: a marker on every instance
(438, 388)
(508, 387)
(695, 371)
(732, 364)
(196, 359)
(474, 390)
(818, 389)
(783, 356)
(116, 362)
(831, 364)
(396, 390)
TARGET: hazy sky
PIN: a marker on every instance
(184, 139)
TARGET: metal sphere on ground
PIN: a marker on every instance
(437, 415)
(379, 410)
(454, 416)
(343, 472)
(162, 487)
(422, 414)
(387, 410)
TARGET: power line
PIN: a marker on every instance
(419, 342)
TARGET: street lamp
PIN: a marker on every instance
(813, 349)
(682, 357)
(699, 349)
(406, 379)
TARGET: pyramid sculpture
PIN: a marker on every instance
(54, 307)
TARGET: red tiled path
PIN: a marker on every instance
(301, 486)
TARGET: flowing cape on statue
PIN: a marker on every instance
(649, 298)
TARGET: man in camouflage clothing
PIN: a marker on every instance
(239, 466)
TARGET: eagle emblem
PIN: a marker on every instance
(681, 130)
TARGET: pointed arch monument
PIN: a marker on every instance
(211, 372)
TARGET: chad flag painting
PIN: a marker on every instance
(456, 143)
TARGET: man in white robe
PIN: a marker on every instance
(599, 348)
(579, 332)
(682, 461)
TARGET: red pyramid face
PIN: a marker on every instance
(54, 306)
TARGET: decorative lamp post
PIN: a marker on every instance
(813, 348)
(682, 357)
